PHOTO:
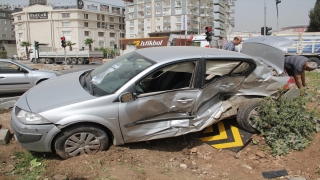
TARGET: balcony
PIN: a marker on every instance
(231, 11)
(219, 17)
(230, 4)
(140, 1)
(219, 2)
(219, 9)
(192, 22)
(219, 25)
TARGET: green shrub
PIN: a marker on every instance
(286, 124)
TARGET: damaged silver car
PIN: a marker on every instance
(149, 94)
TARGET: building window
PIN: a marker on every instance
(102, 18)
(100, 34)
(158, 27)
(178, 27)
(148, 5)
(98, 17)
(20, 35)
(148, 20)
(101, 43)
(86, 33)
(19, 26)
(104, 25)
(148, 13)
(3, 28)
(86, 16)
(178, 3)
(98, 25)
(178, 19)
(131, 31)
(158, 12)
(19, 18)
(112, 34)
(148, 28)
(65, 24)
(158, 19)
(158, 4)
(131, 23)
(178, 11)
(66, 33)
(111, 43)
(3, 35)
(12, 35)
(86, 24)
(2, 15)
(65, 15)
(111, 26)
(111, 19)
(3, 22)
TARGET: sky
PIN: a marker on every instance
(249, 14)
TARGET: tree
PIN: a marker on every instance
(89, 41)
(314, 15)
(69, 43)
(26, 45)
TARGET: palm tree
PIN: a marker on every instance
(26, 44)
(89, 41)
(69, 43)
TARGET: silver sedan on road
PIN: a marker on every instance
(149, 94)
(18, 77)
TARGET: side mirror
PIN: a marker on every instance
(127, 97)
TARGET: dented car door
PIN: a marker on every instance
(163, 106)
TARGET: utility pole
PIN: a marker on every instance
(265, 18)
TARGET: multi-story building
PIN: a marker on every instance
(185, 16)
(7, 35)
(33, 2)
(103, 23)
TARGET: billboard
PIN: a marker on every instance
(146, 42)
(38, 15)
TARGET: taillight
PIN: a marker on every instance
(290, 84)
(207, 46)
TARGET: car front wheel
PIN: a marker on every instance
(247, 114)
(79, 140)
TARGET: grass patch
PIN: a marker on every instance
(29, 166)
(138, 169)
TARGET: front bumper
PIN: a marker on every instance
(33, 137)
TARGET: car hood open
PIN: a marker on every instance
(269, 49)
(57, 92)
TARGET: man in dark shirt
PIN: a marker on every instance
(296, 66)
(231, 44)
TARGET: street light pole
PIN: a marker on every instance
(120, 32)
(265, 18)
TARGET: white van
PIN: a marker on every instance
(200, 41)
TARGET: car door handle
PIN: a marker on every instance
(184, 100)
(1, 77)
(227, 85)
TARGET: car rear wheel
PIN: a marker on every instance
(79, 140)
(314, 59)
(80, 61)
(247, 113)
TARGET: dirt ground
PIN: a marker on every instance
(183, 157)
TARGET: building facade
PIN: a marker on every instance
(295, 28)
(7, 35)
(103, 23)
(187, 16)
(41, 2)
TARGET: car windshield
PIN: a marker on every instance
(109, 77)
(23, 65)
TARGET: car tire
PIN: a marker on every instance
(314, 59)
(245, 115)
(86, 61)
(74, 61)
(68, 143)
(80, 61)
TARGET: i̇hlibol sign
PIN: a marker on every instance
(151, 43)
(41, 15)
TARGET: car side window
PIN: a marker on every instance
(171, 77)
(7, 67)
(216, 69)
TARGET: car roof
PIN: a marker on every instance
(164, 53)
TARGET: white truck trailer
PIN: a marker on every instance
(72, 57)
(305, 44)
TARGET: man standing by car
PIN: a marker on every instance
(231, 44)
(296, 66)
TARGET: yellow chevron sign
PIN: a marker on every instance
(225, 134)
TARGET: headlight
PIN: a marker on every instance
(31, 118)
(58, 73)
